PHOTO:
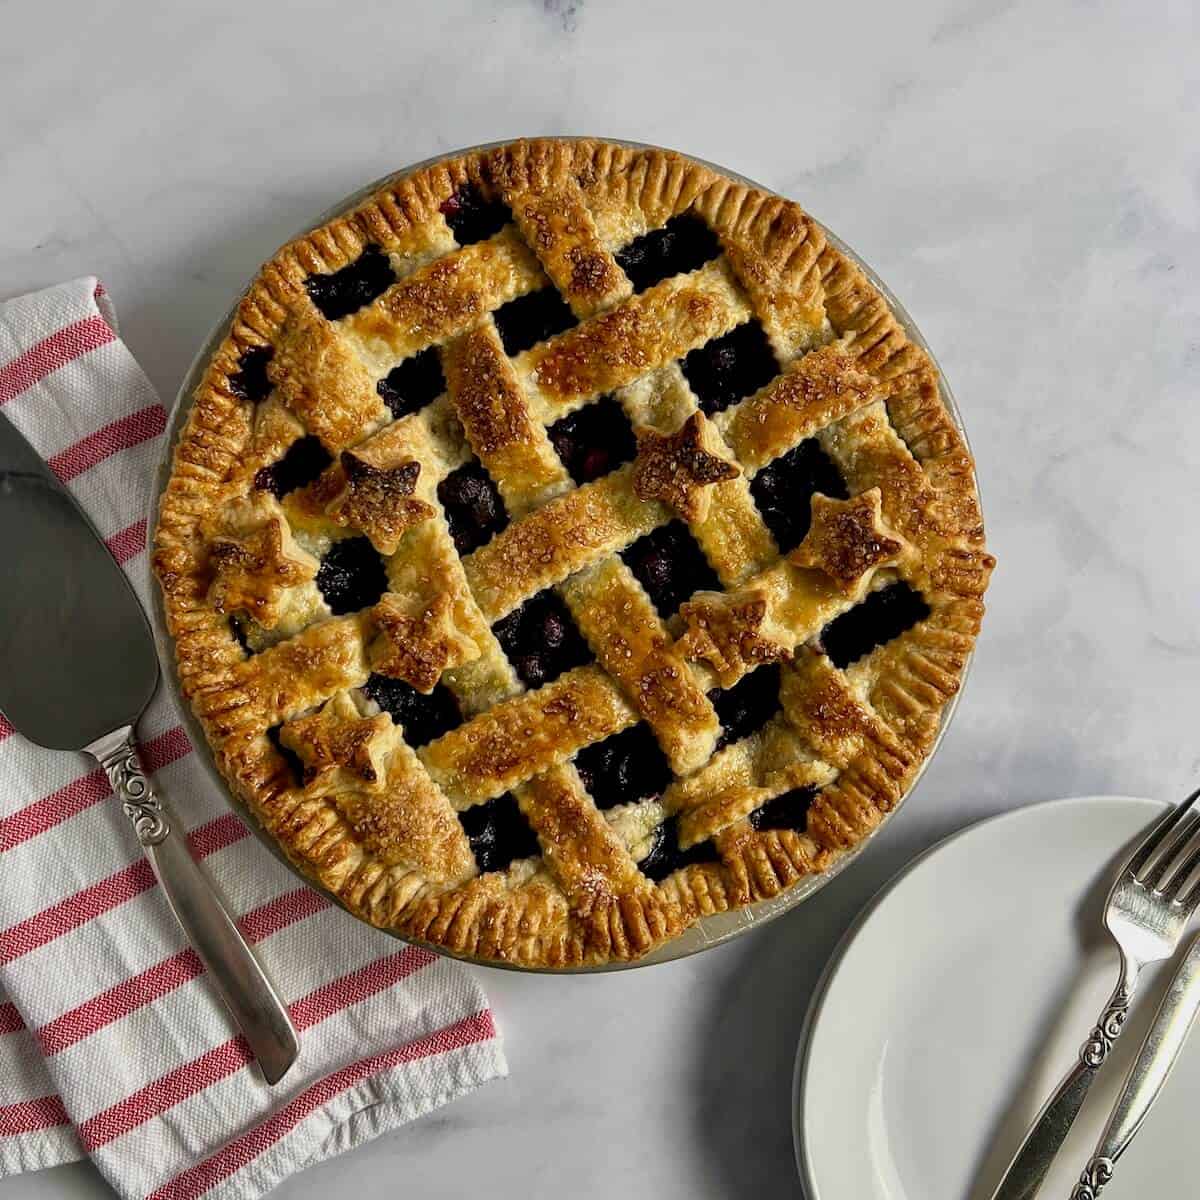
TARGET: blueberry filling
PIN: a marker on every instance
(681, 245)
(783, 491)
(422, 717)
(305, 459)
(747, 706)
(530, 319)
(472, 218)
(498, 833)
(670, 565)
(249, 381)
(723, 371)
(625, 767)
(881, 616)
(473, 507)
(411, 385)
(541, 640)
(354, 286)
(594, 440)
(789, 811)
(351, 575)
(665, 856)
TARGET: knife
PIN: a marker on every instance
(1147, 1075)
(79, 668)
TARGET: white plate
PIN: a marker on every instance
(956, 1002)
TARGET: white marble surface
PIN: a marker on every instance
(1025, 176)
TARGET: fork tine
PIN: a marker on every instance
(1170, 854)
(1189, 890)
(1180, 868)
(1158, 836)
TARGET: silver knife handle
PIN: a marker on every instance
(1046, 1135)
(1148, 1074)
(236, 974)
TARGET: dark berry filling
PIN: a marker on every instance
(627, 766)
(354, 286)
(530, 319)
(724, 370)
(351, 575)
(594, 440)
(289, 756)
(881, 616)
(250, 380)
(783, 491)
(747, 706)
(412, 384)
(681, 245)
(498, 833)
(670, 565)
(541, 640)
(472, 218)
(422, 717)
(789, 811)
(665, 856)
(472, 505)
(305, 459)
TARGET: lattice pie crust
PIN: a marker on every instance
(369, 504)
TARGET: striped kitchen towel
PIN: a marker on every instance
(112, 1044)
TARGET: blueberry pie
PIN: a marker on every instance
(564, 544)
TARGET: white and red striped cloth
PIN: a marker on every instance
(111, 1042)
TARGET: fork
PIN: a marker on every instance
(1147, 917)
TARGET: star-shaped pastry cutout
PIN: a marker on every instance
(418, 648)
(340, 748)
(847, 540)
(254, 560)
(676, 469)
(726, 631)
(379, 500)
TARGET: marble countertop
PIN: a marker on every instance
(1024, 174)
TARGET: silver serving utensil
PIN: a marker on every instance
(1146, 914)
(79, 668)
(1146, 1077)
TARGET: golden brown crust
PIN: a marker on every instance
(391, 848)
(729, 632)
(487, 398)
(847, 540)
(322, 381)
(678, 470)
(526, 735)
(379, 500)
(254, 560)
(418, 649)
(617, 347)
(631, 643)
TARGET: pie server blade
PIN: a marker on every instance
(77, 668)
(77, 657)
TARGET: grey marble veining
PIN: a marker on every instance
(1023, 173)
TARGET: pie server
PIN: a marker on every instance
(77, 669)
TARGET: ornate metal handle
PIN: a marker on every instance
(1099, 1045)
(232, 969)
(1148, 1073)
(117, 754)
(1091, 1183)
(1031, 1163)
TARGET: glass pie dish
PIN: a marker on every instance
(708, 930)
